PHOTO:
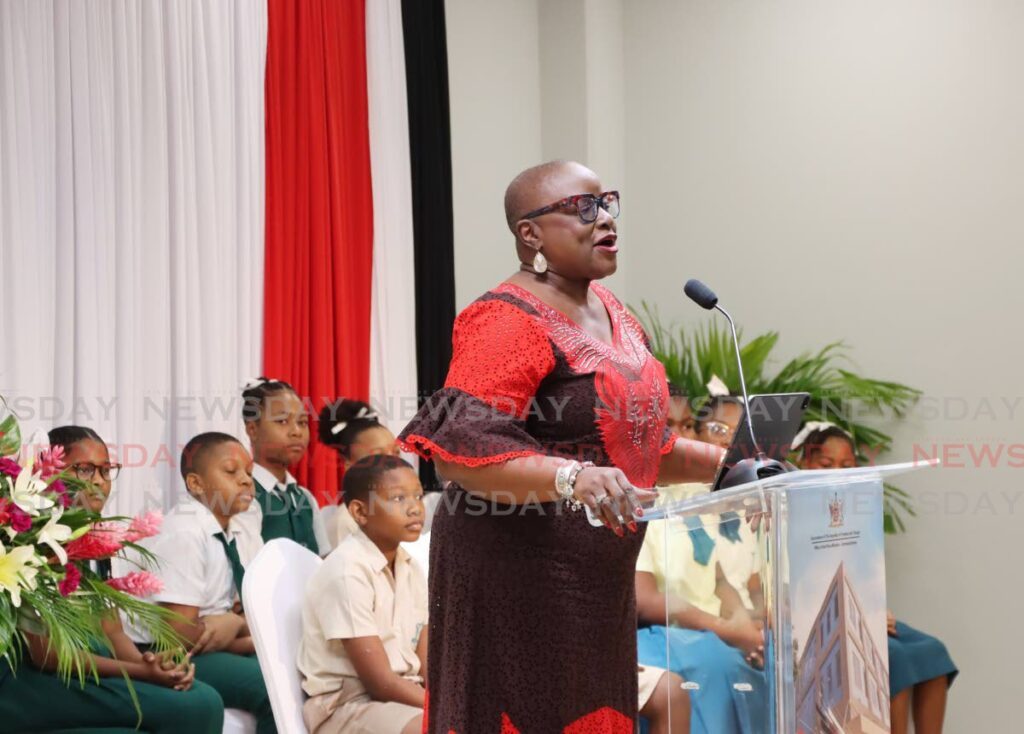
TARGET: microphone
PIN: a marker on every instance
(758, 466)
(701, 294)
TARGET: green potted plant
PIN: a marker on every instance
(838, 394)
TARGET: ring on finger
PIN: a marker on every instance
(605, 499)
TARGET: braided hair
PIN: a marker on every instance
(817, 438)
(255, 394)
(342, 421)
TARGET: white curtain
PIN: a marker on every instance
(131, 222)
(393, 327)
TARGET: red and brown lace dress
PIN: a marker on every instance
(532, 610)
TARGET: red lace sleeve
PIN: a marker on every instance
(499, 357)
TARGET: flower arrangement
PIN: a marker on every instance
(50, 584)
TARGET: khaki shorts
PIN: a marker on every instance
(350, 710)
(648, 678)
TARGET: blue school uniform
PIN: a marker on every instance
(915, 657)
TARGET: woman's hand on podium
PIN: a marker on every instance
(611, 498)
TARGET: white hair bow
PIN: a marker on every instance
(364, 413)
(716, 387)
(809, 428)
(255, 382)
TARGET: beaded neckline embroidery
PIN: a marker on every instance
(581, 348)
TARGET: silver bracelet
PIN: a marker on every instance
(562, 485)
(574, 503)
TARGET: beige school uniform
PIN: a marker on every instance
(648, 678)
(342, 525)
(354, 594)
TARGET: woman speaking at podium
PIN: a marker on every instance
(553, 401)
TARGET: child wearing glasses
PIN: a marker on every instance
(34, 699)
(718, 419)
(277, 425)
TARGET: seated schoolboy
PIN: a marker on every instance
(202, 553)
(277, 425)
(364, 638)
(35, 699)
(920, 668)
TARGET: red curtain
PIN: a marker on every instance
(319, 228)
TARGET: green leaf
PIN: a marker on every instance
(10, 432)
(838, 394)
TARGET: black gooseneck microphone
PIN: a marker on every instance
(758, 466)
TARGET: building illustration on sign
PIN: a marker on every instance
(842, 676)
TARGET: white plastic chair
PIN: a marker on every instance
(420, 551)
(272, 594)
(237, 721)
(327, 513)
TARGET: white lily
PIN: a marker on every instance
(27, 492)
(18, 570)
(52, 534)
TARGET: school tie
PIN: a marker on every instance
(231, 551)
(729, 527)
(292, 492)
(703, 544)
(301, 518)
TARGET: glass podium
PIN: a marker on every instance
(768, 600)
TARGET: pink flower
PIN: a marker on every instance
(61, 490)
(103, 541)
(9, 467)
(50, 462)
(5, 511)
(21, 521)
(72, 578)
(144, 526)
(137, 583)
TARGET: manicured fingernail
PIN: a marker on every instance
(619, 532)
(632, 525)
(639, 511)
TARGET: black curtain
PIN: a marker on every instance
(426, 78)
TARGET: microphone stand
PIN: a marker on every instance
(758, 466)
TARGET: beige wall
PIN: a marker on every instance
(494, 81)
(834, 170)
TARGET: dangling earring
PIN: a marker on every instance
(540, 263)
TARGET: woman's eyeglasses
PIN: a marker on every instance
(86, 471)
(586, 205)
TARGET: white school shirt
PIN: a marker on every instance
(192, 562)
(354, 594)
(251, 521)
